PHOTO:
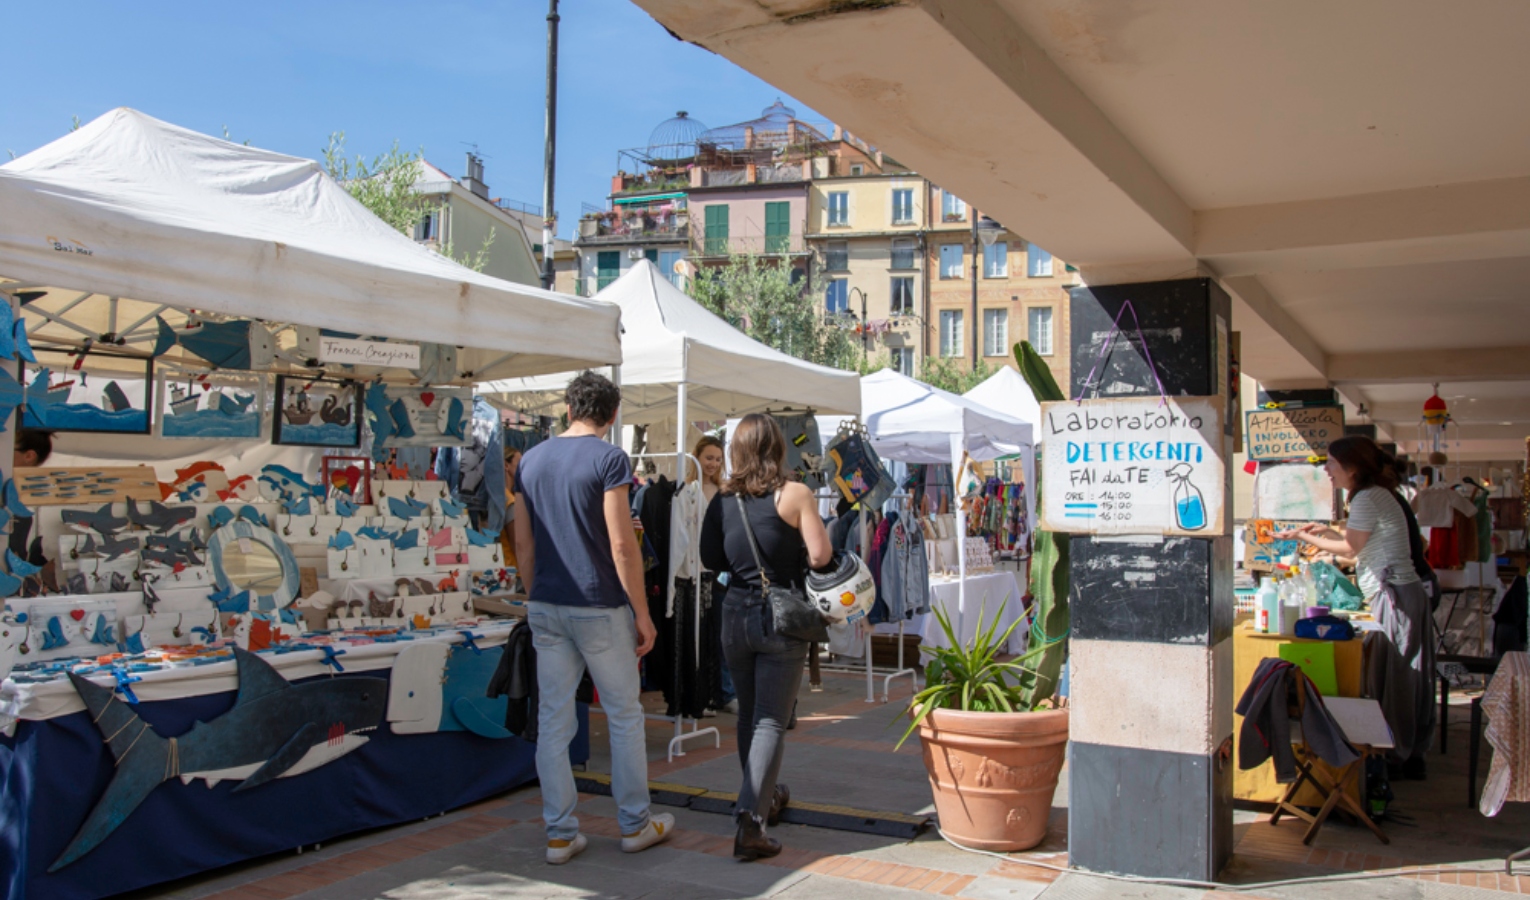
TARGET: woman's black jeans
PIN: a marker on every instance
(767, 671)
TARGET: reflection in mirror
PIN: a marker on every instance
(252, 566)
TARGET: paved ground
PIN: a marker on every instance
(842, 753)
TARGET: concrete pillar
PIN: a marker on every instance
(1150, 767)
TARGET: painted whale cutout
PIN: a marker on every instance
(440, 687)
(274, 725)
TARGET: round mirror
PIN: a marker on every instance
(252, 566)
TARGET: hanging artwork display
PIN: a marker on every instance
(404, 416)
(1294, 492)
(316, 412)
(210, 406)
(59, 397)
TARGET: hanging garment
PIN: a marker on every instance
(1484, 521)
(804, 449)
(905, 572)
(858, 473)
(1400, 665)
(1444, 549)
(1466, 536)
(687, 510)
(1434, 506)
(475, 474)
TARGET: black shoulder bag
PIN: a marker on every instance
(1421, 566)
(790, 612)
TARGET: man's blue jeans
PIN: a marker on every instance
(569, 638)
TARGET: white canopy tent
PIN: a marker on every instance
(130, 217)
(676, 354)
(916, 423)
(1007, 392)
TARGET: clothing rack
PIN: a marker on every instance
(872, 673)
(677, 743)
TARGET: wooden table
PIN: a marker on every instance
(1249, 648)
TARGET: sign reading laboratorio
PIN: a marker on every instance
(346, 351)
(1276, 434)
(1139, 465)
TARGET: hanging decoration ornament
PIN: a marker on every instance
(1433, 427)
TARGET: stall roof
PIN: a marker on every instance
(670, 339)
(135, 210)
(911, 421)
(1006, 391)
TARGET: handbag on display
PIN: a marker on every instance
(790, 612)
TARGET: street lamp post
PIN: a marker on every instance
(865, 331)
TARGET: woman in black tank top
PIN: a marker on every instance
(766, 667)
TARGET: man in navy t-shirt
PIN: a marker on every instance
(580, 561)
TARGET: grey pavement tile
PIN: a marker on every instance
(1380, 889)
(820, 887)
(996, 888)
(931, 852)
(1082, 886)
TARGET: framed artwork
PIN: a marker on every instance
(406, 416)
(111, 393)
(316, 412)
(210, 406)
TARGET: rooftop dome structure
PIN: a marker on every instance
(773, 128)
(675, 138)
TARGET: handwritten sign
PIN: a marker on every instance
(1140, 465)
(368, 353)
(1275, 434)
(1261, 551)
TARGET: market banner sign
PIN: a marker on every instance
(345, 351)
(1138, 465)
(1297, 433)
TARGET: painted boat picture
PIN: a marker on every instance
(229, 411)
(78, 402)
(316, 412)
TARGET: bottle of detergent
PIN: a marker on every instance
(1189, 505)
(1267, 606)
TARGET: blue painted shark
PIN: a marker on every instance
(274, 729)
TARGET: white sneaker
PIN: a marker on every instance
(560, 852)
(657, 831)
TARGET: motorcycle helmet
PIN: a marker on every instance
(843, 591)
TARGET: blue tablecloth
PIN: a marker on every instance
(52, 772)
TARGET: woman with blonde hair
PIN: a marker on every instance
(787, 538)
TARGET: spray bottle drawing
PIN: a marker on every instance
(1189, 505)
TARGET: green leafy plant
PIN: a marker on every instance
(1049, 562)
(972, 677)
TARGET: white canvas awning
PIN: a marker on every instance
(134, 217)
(1007, 392)
(911, 421)
(669, 339)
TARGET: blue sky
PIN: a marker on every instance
(437, 76)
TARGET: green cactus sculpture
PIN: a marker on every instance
(1049, 565)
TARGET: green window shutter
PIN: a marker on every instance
(778, 226)
(608, 266)
(717, 230)
(652, 256)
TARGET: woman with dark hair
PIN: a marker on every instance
(1381, 535)
(709, 453)
(766, 666)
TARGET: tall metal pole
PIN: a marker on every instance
(549, 220)
(976, 325)
(865, 333)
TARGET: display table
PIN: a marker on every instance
(986, 593)
(1249, 648)
(55, 767)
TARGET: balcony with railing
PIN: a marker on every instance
(749, 245)
(630, 225)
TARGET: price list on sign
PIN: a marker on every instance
(1141, 465)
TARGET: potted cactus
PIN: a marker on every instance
(994, 735)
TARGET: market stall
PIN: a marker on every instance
(248, 375)
(912, 422)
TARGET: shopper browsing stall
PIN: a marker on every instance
(583, 569)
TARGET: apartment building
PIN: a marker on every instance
(460, 217)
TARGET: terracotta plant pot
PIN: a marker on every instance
(994, 774)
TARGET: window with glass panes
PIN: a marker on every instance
(996, 260)
(836, 256)
(668, 260)
(836, 295)
(995, 332)
(608, 267)
(1038, 329)
(902, 295)
(1039, 262)
(951, 338)
(903, 360)
(950, 260)
(902, 206)
(952, 209)
(902, 256)
(839, 208)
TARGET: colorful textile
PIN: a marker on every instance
(1507, 707)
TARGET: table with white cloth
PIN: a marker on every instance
(987, 592)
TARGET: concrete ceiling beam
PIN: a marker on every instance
(1276, 351)
(1448, 223)
(1485, 412)
(1428, 366)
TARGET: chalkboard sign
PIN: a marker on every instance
(1139, 465)
(1160, 590)
(1277, 434)
(1183, 330)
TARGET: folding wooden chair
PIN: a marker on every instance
(1366, 730)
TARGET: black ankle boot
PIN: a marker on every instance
(751, 842)
(778, 801)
